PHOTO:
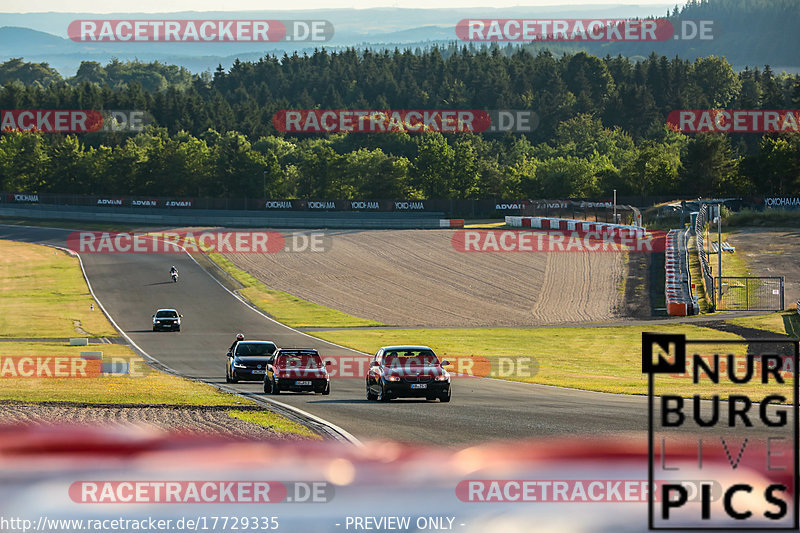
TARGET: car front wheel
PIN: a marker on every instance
(383, 395)
(370, 395)
(445, 397)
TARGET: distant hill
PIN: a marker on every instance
(377, 27)
(32, 41)
(747, 33)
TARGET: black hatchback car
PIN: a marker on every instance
(407, 372)
(248, 361)
(167, 319)
(298, 370)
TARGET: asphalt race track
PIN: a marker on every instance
(132, 286)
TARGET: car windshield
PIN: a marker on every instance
(299, 361)
(410, 358)
(166, 314)
(260, 348)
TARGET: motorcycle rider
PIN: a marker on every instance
(173, 271)
(239, 337)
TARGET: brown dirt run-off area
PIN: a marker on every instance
(416, 278)
(195, 420)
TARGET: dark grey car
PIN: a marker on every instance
(248, 361)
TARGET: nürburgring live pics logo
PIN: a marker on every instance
(753, 435)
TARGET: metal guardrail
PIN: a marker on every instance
(684, 244)
(172, 217)
(699, 228)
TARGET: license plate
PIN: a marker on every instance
(259, 371)
(302, 383)
(419, 385)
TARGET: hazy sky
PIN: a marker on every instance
(155, 6)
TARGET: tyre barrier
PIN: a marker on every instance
(451, 222)
(680, 301)
(565, 224)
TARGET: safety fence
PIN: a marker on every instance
(735, 293)
(241, 219)
(739, 293)
(677, 287)
(705, 268)
(452, 208)
(597, 209)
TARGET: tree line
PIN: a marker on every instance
(601, 127)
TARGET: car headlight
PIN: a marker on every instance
(239, 365)
(443, 377)
(392, 378)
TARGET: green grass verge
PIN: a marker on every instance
(284, 307)
(783, 322)
(733, 264)
(696, 274)
(275, 422)
(767, 218)
(44, 295)
(607, 359)
(144, 385)
(623, 280)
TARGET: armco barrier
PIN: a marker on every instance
(246, 219)
(563, 224)
(677, 287)
(699, 229)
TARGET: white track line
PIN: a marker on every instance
(251, 307)
(346, 434)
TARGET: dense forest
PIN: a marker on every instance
(602, 127)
